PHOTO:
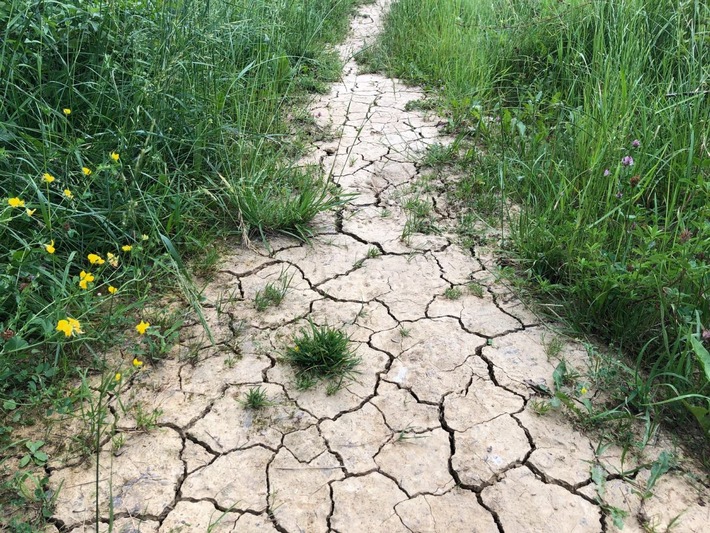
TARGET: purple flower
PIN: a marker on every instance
(607, 172)
(636, 143)
(627, 161)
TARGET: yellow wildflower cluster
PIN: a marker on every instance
(95, 259)
(69, 326)
(84, 279)
(19, 203)
(142, 327)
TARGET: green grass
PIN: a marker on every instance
(273, 293)
(255, 399)
(549, 100)
(322, 353)
(453, 293)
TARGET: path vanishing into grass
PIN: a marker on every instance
(439, 431)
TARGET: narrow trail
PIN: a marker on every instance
(437, 434)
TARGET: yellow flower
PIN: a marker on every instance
(115, 156)
(583, 390)
(68, 194)
(30, 212)
(95, 259)
(126, 247)
(15, 202)
(117, 377)
(144, 237)
(86, 171)
(112, 260)
(50, 247)
(112, 289)
(47, 177)
(66, 111)
(142, 327)
(84, 279)
(137, 363)
(296, 349)
(69, 326)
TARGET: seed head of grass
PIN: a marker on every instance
(322, 353)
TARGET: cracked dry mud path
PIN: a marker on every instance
(437, 433)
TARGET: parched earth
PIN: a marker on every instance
(437, 433)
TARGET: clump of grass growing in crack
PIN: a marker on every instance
(373, 252)
(553, 347)
(476, 289)
(256, 399)
(404, 332)
(322, 353)
(453, 293)
(146, 420)
(421, 104)
(419, 218)
(273, 293)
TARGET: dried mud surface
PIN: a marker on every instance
(435, 434)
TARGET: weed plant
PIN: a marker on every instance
(273, 293)
(255, 399)
(322, 353)
(594, 115)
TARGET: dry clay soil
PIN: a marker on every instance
(437, 433)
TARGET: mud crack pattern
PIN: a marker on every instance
(436, 434)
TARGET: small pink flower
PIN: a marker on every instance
(627, 161)
(636, 143)
(607, 172)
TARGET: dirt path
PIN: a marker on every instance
(438, 433)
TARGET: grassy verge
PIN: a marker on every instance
(593, 117)
(132, 133)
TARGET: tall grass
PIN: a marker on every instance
(137, 131)
(595, 115)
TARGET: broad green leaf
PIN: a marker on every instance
(702, 354)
